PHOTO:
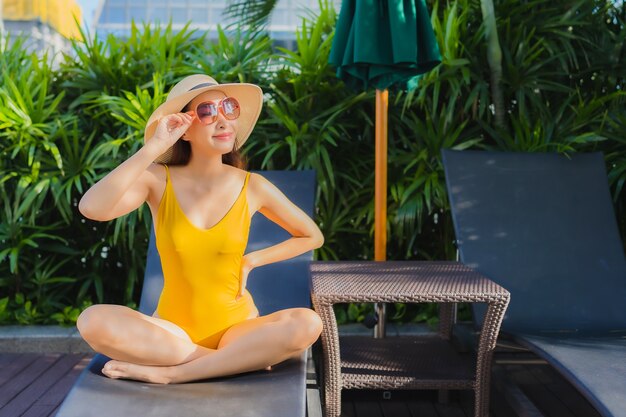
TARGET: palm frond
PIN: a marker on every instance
(250, 14)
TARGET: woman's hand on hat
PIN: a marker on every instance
(169, 129)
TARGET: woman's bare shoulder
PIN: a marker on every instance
(255, 191)
(239, 174)
(255, 181)
(156, 178)
(259, 182)
(156, 171)
(238, 171)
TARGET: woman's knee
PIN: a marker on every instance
(95, 322)
(306, 327)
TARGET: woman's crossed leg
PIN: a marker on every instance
(155, 350)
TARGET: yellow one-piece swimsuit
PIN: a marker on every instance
(202, 268)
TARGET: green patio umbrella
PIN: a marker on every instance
(383, 44)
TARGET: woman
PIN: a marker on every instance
(206, 324)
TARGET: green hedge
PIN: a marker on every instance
(61, 129)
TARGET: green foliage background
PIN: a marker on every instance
(61, 129)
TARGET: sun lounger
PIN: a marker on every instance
(279, 392)
(542, 225)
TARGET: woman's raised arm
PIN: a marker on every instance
(126, 187)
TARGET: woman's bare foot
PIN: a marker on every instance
(154, 374)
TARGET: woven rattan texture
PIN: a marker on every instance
(373, 363)
(401, 281)
(404, 362)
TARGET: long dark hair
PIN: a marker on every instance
(181, 153)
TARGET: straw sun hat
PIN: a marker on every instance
(249, 96)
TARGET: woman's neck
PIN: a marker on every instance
(206, 166)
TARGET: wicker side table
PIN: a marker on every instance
(404, 362)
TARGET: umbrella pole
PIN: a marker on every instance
(380, 201)
(380, 197)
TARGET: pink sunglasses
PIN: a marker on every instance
(207, 111)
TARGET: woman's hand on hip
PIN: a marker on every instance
(246, 267)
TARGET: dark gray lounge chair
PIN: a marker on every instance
(543, 227)
(279, 392)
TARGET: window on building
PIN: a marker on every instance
(217, 11)
(116, 14)
(159, 14)
(179, 15)
(199, 15)
(139, 14)
(280, 17)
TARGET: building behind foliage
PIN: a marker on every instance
(115, 16)
(48, 25)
